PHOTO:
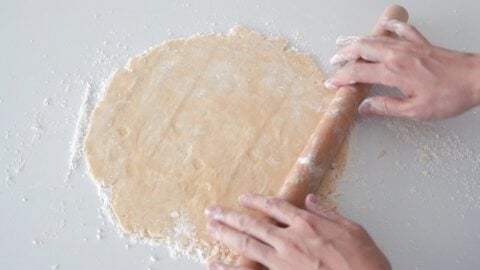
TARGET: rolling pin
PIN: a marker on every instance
(328, 136)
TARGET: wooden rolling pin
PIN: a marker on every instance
(328, 136)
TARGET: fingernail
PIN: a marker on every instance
(212, 229)
(213, 212)
(244, 197)
(365, 107)
(313, 199)
(338, 59)
(330, 85)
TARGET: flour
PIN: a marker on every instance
(316, 170)
(76, 145)
(37, 128)
(180, 240)
(438, 152)
(306, 160)
(185, 238)
(47, 102)
(18, 163)
(429, 154)
(334, 112)
(198, 92)
(273, 161)
(91, 95)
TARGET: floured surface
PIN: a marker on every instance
(403, 202)
(197, 122)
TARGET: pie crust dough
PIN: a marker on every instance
(195, 122)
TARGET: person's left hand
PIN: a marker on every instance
(315, 238)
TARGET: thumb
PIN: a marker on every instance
(383, 105)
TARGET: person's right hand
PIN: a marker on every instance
(437, 83)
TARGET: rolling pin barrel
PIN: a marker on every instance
(328, 136)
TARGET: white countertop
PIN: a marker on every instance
(415, 187)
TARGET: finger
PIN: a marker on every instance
(222, 266)
(275, 208)
(250, 225)
(343, 41)
(383, 105)
(313, 205)
(245, 245)
(404, 30)
(371, 73)
(372, 49)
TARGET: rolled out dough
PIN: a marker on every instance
(198, 121)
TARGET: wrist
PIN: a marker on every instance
(475, 86)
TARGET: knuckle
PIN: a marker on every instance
(220, 232)
(304, 221)
(287, 244)
(319, 264)
(222, 213)
(327, 242)
(399, 61)
(244, 221)
(272, 202)
(245, 244)
(391, 55)
(309, 219)
(354, 230)
(350, 73)
(271, 231)
(354, 69)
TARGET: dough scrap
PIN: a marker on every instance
(195, 122)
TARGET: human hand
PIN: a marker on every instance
(437, 83)
(315, 238)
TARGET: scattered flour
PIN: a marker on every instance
(18, 163)
(441, 155)
(434, 145)
(37, 128)
(47, 102)
(431, 150)
(76, 146)
(181, 240)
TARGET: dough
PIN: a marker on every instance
(198, 121)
